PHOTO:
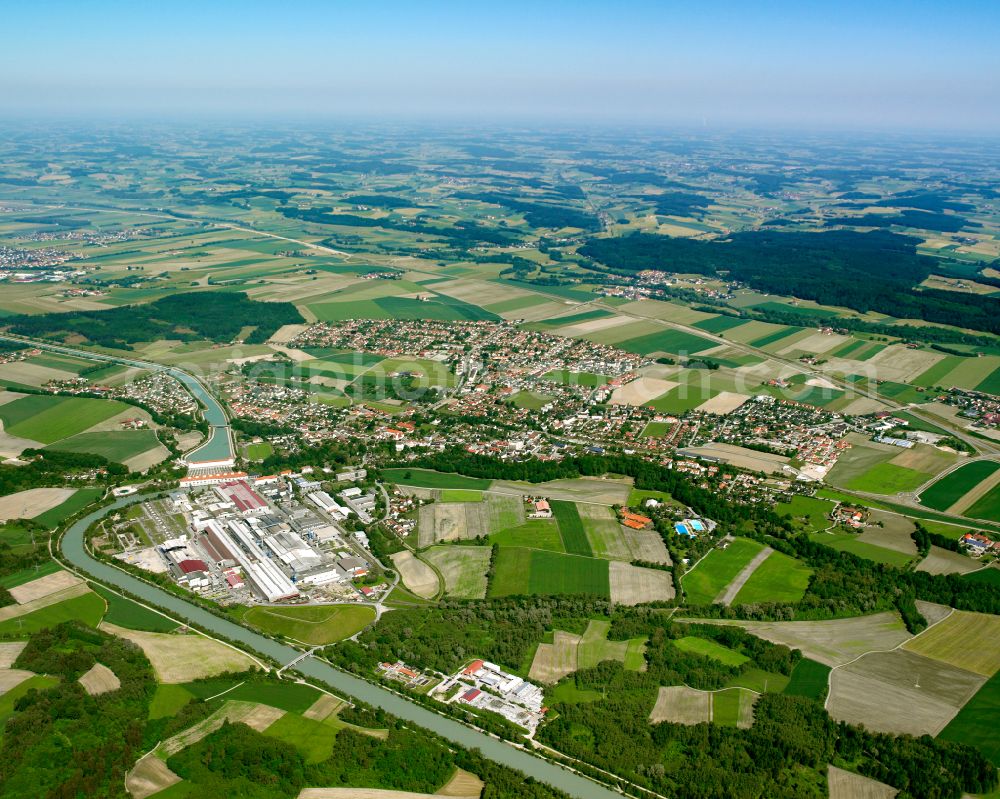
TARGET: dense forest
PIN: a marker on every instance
(537, 214)
(213, 315)
(876, 271)
(48, 467)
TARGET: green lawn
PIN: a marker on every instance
(683, 398)
(257, 452)
(530, 400)
(87, 608)
(656, 429)
(461, 495)
(571, 528)
(719, 324)
(635, 655)
(710, 649)
(779, 578)
(533, 534)
(706, 580)
(314, 625)
(888, 478)
(809, 678)
(811, 512)
(637, 497)
(48, 418)
(425, 478)
(989, 576)
(79, 500)
(587, 379)
(567, 693)
(726, 705)
(846, 542)
(131, 615)
(952, 487)
(976, 723)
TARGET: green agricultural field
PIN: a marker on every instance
(292, 697)
(533, 534)
(314, 739)
(168, 700)
(774, 337)
(707, 579)
(586, 379)
(27, 575)
(571, 528)
(425, 478)
(991, 383)
(683, 398)
(504, 511)
(677, 342)
(461, 495)
(315, 625)
(779, 578)
(760, 681)
(846, 542)
(987, 507)
(976, 722)
(115, 445)
(131, 615)
(989, 576)
(719, 324)
(810, 679)
(710, 649)
(257, 452)
(87, 608)
(83, 497)
(731, 706)
(536, 571)
(952, 487)
(637, 497)
(48, 418)
(888, 478)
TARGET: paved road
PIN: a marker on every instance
(72, 548)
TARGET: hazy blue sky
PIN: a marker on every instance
(839, 63)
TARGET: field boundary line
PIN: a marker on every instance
(900, 645)
(223, 693)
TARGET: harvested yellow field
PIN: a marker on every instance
(256, 716)
(13, 611)
(178, 658)
(44, 586)
(647, 545)
(99, 680)
(324, 707)
(723, 403)
(848, 785)
(463, 783)
(28, 504)
(148, 776)
(11, 678)
(969, 641)
(682, 705)
(554, 661)
(633, 585)
(641, 391)
(9, 653)
(417, 576)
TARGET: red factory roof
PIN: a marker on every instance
(244, 497)
(233, 580)
(473, 667)
(188, 566)
(471, 694)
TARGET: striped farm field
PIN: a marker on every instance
(571, 528)
(535, 571)
(955, 485)
(48, 418)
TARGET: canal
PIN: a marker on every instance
(72, 546)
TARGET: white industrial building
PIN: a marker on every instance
(265, 577)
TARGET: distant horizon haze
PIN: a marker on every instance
(907, 66)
